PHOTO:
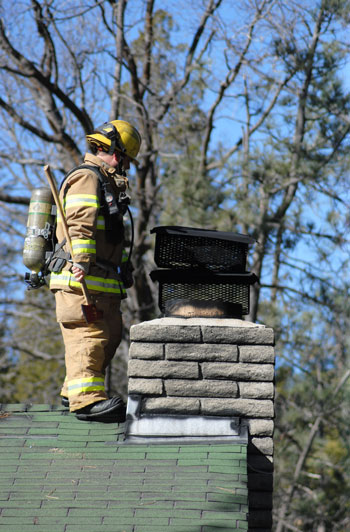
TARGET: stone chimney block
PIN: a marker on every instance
(211, 368)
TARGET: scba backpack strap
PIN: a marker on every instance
(113, 206)
(57, 259)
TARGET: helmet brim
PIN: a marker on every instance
(100, 141)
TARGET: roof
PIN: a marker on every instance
(59, 474)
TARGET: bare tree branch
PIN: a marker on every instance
(28, 69)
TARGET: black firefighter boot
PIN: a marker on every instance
(112, 409)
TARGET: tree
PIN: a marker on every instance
(44, 106)
(244, 117)
(312, 489)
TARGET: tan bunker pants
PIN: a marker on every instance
(89, 348)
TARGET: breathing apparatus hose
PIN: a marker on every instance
(132, 235)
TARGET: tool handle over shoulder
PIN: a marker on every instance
(56, 197)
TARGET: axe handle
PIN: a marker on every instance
(54, 191)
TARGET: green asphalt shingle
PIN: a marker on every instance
(59, 474)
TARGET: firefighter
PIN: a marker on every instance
(94, 197)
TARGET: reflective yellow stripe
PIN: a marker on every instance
(79, 200)
(85, 384)
(99, 284)
(80, 245)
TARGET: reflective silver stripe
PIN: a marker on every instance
(101, 223)
(84, 248)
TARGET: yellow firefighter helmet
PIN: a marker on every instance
(117, 135)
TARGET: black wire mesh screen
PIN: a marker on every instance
(182, 251)
(226, 289)
(223, 293)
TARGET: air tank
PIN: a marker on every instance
(39, 229)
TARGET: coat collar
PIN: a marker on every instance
(93, 159)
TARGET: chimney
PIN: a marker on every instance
(201, 371)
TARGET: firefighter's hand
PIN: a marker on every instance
(78, 273)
